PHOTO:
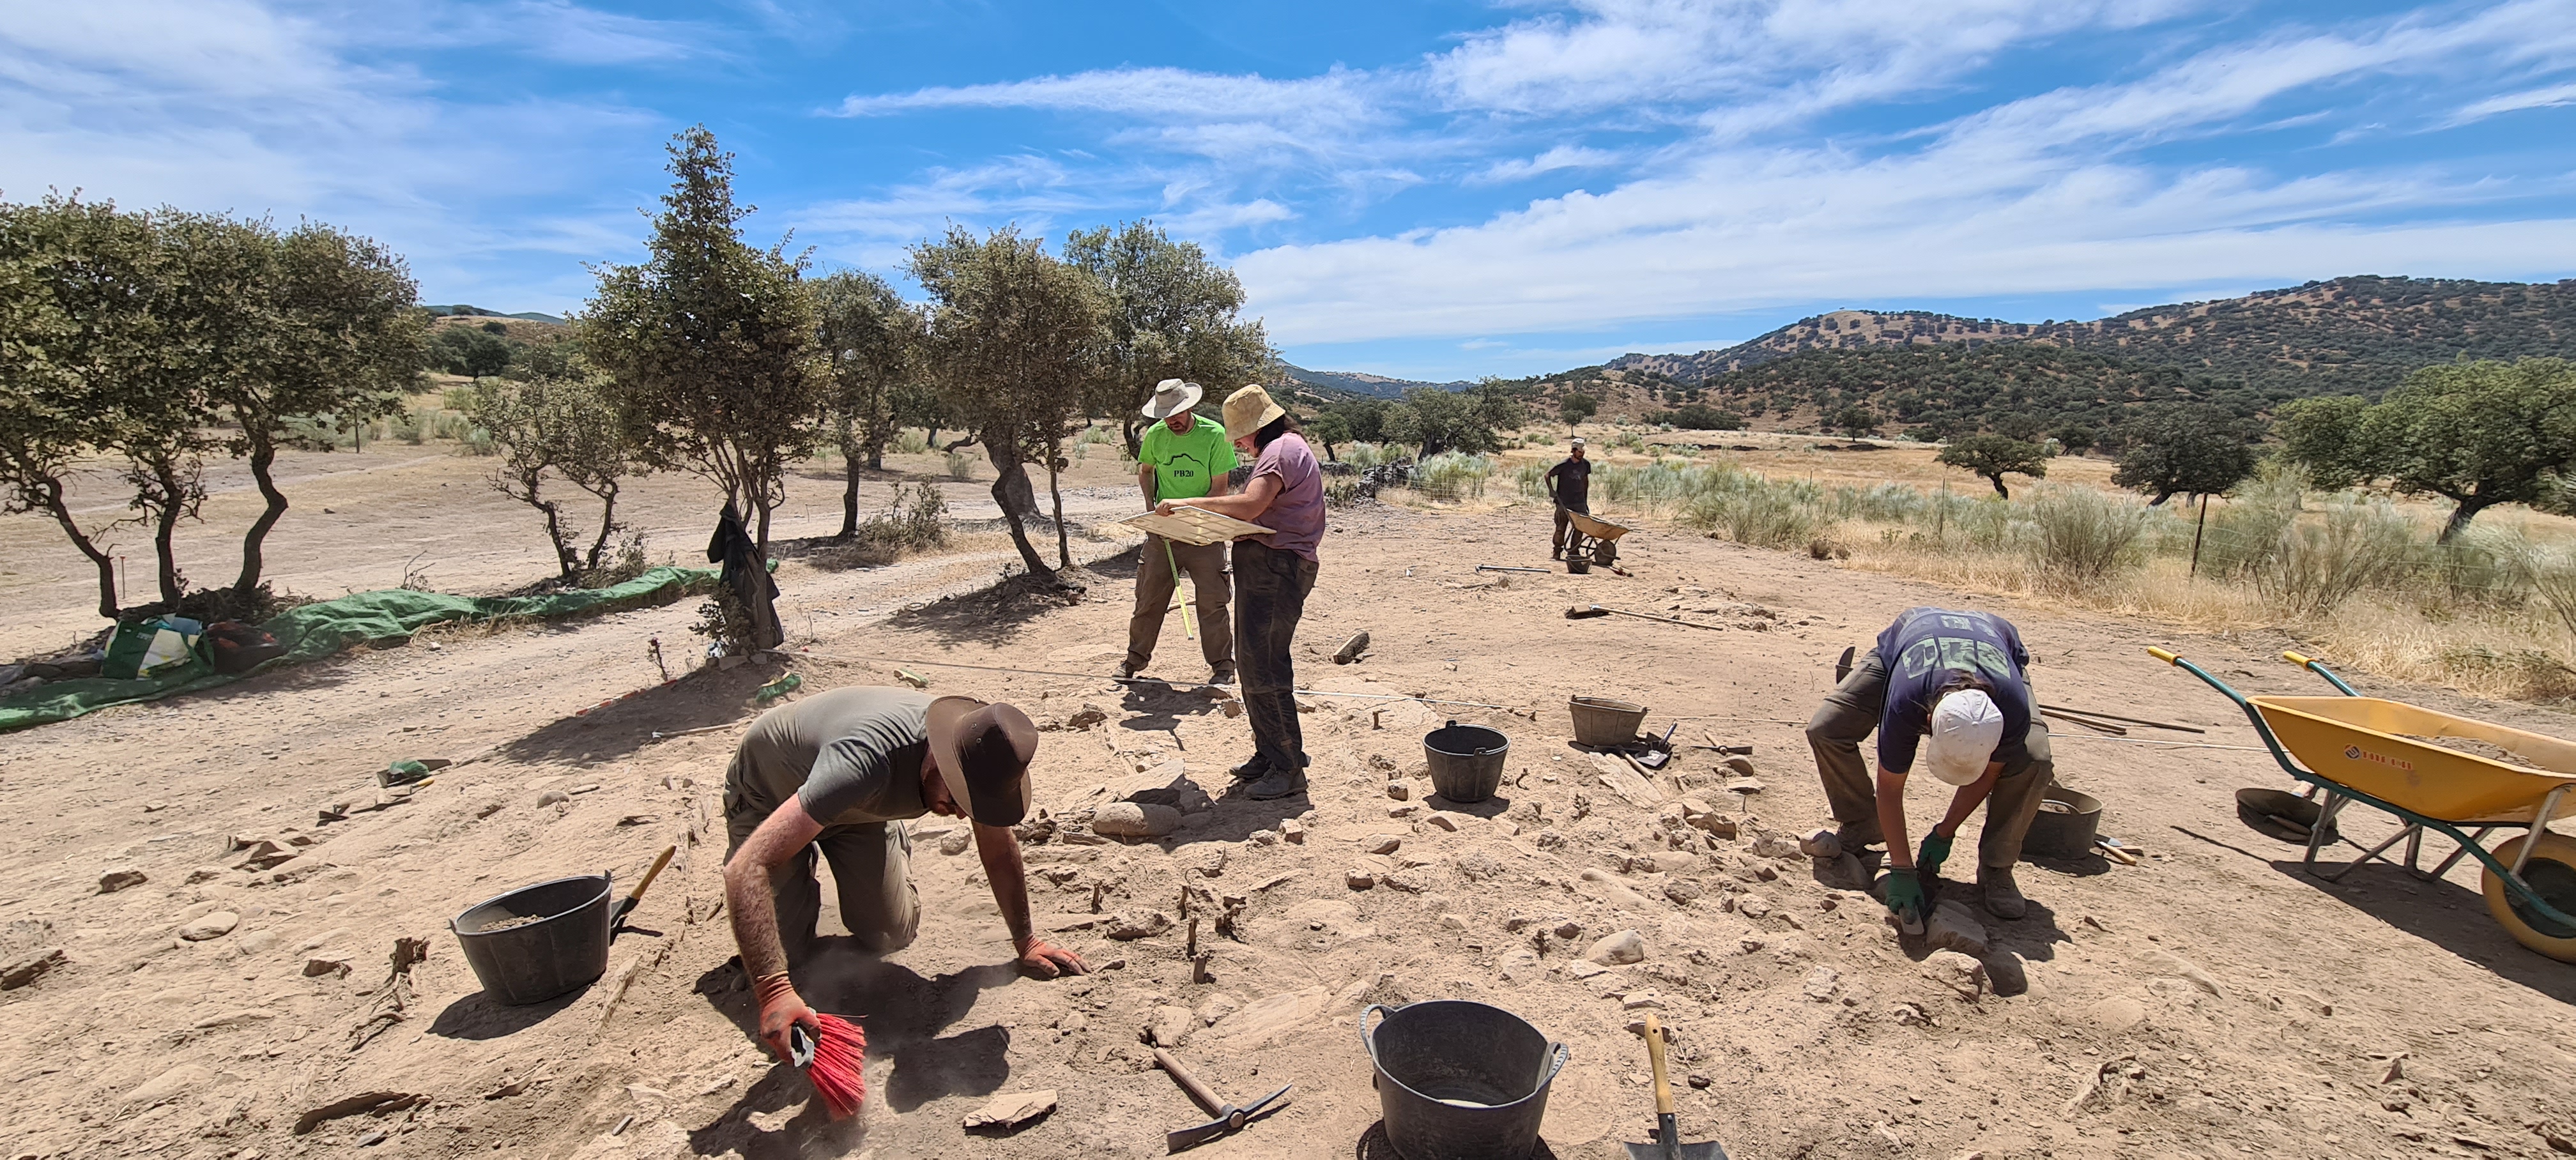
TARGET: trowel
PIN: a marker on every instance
(1668, 1134)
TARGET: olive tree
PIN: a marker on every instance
(710, 346)
(2476, 433)
(558, 428)
(1015, 336)
(1173, 314)
(1995, 456)
(2184, 449)
(872, 347)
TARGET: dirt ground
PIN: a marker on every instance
(2210, 1002)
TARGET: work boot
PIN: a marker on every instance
(2003, 899)
(1254, 769)
(1221, 675)
(1277, 785)
(1127, 672)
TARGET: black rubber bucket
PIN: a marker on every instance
(2065, 825)
(1466, 761)
(1459, 1080)
(564, 949)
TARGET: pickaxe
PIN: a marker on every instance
(1229, 1118)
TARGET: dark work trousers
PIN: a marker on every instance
(1848, 716)
(1556, 547)
(1270, 588)
(1154, 588)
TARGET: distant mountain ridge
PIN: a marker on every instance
(464, 311)
(2359, 334)
(1368, 385)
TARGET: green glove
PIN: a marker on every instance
(1936, 850)
(1905, 897)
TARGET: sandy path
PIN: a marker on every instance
(1792, 1014)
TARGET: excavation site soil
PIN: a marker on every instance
(245, 1000)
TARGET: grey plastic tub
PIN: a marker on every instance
(565, 949)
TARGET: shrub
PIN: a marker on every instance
(2321, 563)
(961, 464)
(911, 441)
(1452, 475)
(2083, 534)
(1762, 516)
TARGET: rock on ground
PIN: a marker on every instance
(1953, 927)
(1135, 820)
(1010, 1110)
(1619, 949)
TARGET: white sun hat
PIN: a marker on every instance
(1966, 725)
(1172, 395)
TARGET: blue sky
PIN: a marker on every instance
(1424, 190)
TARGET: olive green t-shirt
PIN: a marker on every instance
(852, 755)
(1184, 465)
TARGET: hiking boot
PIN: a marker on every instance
(1252, 770)
(1277, 785)
(1221, 676)
(2003, 899)
(1127, 672)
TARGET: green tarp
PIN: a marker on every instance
(321, 629)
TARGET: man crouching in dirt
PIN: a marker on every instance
(1960, 679)
(840, 772)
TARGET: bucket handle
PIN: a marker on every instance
(1507, 744)
(1367, 1042)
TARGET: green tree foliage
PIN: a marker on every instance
(2017, 389)
(2187, 449)
(710, 346)
(2322, 435)
(1174, 314)
(1995, 456)
(1331, 429)
(2076, 438)
(872, 344)
(1014, 338)
(1574, 407)
(2476, 433)
(471, 351)
(1436, 420)
(135, 336)
(1856, 420)
(1702, 417)
(558, 429)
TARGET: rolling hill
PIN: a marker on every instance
(1354, 383)
(2355, 335)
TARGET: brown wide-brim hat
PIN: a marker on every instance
(983, 752)
(1249, 410)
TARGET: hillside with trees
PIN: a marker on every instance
(2353, 335)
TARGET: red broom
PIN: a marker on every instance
(833, 1063)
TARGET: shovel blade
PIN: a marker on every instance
(1703, 1151)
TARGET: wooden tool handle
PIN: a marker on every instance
(1655, 1054)
(1189, 1083)
(658, 863)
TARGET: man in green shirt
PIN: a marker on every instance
(1182, 456)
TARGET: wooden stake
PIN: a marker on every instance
(2196, 529)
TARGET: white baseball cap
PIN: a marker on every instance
(1965, 727)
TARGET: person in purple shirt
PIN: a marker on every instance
(1272, 575)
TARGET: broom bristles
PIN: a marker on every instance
(840, 1054)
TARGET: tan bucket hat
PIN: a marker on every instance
(1249, 410)
(1171, 396)
(983, 753)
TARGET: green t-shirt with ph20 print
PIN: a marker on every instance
(1184, 465)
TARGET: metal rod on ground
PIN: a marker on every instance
(2153, 741)
(1506, 568)
(2096, 726)
(1130, 680)
(1601, 609)
(2124, 720)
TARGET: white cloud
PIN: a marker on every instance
(2548, 98)
(1512, 169)
(2042, 194)
(1159, 94)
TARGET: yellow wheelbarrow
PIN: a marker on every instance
(1595, 541)
(2366, 749)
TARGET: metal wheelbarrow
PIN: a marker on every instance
(1594, 541)
(2352, 748)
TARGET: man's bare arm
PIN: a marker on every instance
(1255, 500)
(1891, 819)
(1145, 482)
(999, 849)
(787, 830)
(1965, 802)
